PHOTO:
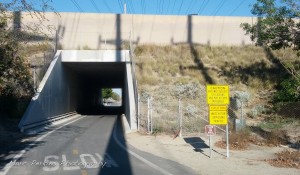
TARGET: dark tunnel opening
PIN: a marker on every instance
(88, 79)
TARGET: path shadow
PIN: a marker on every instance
(22, 35)
(12, 141)
(199, 65)
(259, 70)
(197, 60)
(275, 137)
(197, 143)
(114, 151)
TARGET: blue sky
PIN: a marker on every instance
(118, 91)
(164, 7)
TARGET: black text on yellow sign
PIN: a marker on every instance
(217, 107)
(218, 117)
(217, 94)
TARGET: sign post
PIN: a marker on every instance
(218, 98)
(210, 130)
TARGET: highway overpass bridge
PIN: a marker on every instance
(73, 82)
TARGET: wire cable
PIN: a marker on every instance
(95, 6)
(173, 6)
(143, 7)
(167, 11)
(202, 6)
(77, 5)
(120, 5)
(180, 7)
(162, 6)
(132, 6)
(107, 6)
(192, 3)
(219, 7)
(240, 4)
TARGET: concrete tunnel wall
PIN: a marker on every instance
(55, 89)
(73, 80)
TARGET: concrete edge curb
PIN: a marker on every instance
(50, 122)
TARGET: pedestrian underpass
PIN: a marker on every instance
(73, 83)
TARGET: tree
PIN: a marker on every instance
(15, 73)
(278, 27)
(107, 93)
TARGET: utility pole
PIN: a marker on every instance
(125, 9)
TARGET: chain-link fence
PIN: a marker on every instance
(182, 110)
(41, 57)
(39, 69)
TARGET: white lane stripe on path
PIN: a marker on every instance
(8, 166)
(152, 165)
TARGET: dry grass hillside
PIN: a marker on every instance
(246, 67)
(166, 72)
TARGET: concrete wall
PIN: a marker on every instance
(130, 107)
(55, 95)
(105, 31)
(75, 77)
(95, 56)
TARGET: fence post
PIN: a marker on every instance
(34, 78)
(138, 114)
(180, 117)
(148, 115)
(151, 110)
(45, 60)
(242, 114)
(56, 41)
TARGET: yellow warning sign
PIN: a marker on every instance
(217, 94)
(218, 107)
(218, 117)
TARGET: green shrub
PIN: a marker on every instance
(289, 91)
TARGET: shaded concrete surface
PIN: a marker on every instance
(54, 95)
(91, 145)
(11, 140)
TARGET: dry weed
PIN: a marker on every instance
(286, 159)
(237, 140)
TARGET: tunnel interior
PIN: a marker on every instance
(88, 79)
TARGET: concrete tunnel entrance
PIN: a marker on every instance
(73, 82)
(89, 79)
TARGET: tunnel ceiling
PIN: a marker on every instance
(97, 69)
(90, 77)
